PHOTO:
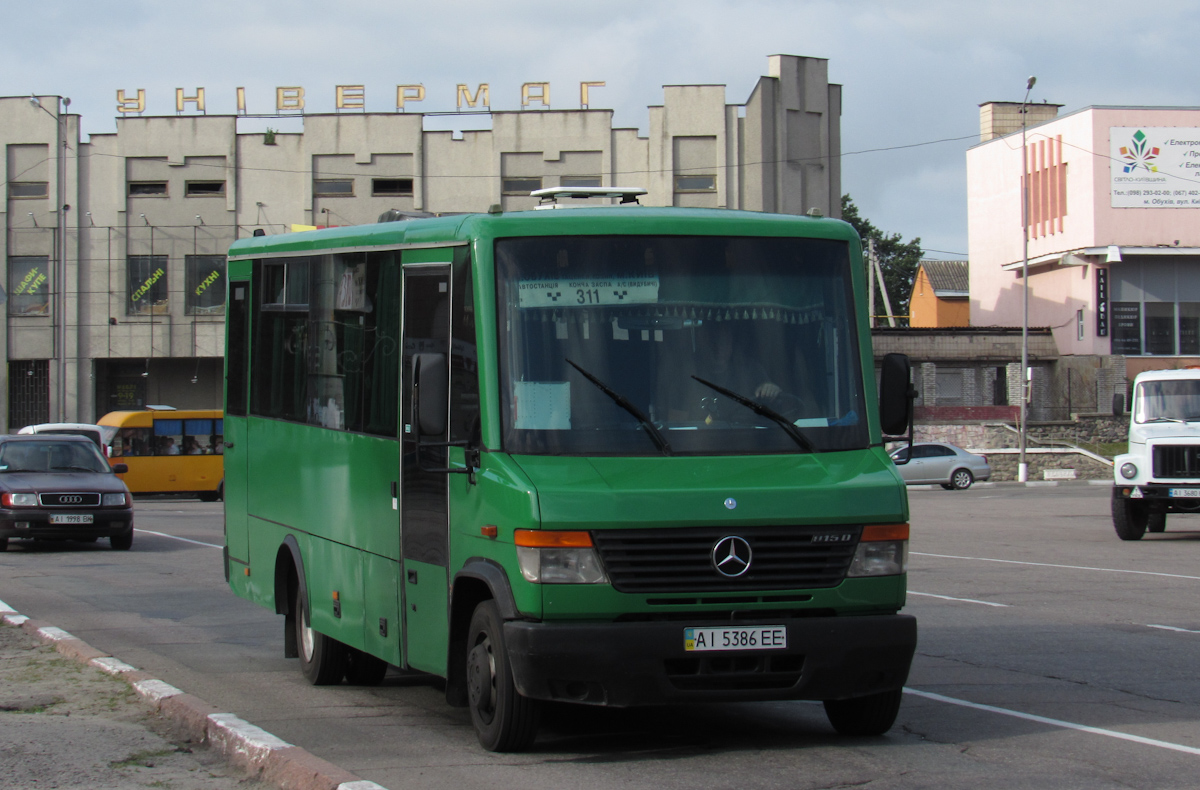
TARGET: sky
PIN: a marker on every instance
(913, 72)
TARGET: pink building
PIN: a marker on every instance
(1114, 229)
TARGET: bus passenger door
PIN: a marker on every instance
(424, 507)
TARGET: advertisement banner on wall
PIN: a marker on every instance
(1154, 166)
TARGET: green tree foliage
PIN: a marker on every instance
(898, 259)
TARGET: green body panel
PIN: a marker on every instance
(332, 484)
(428, 629)
(381, 601)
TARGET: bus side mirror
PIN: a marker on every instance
(429, 401)
(120, 469)
(896, 395)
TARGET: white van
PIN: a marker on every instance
(102, 435)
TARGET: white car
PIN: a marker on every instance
(937, 462)
(100, 434)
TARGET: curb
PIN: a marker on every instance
(252, 749)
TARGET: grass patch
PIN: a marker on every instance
(141, 759)
(1106, 449)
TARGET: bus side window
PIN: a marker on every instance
(131, 442)
(168, 437)
(198, 437)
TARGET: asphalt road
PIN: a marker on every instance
(1051, 655)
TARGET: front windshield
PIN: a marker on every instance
(1158, 401)
(636, 345)
(51, 456)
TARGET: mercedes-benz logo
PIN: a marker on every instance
(731, 556)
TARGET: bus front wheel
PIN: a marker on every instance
(870, 715)
(504, 720)
(1130, 517)
(322, 658)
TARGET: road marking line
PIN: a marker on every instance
(173, 537)
(1172, 628)
(1050, 565)
(1177, 747)
(964, 600)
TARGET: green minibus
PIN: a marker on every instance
(615, 455)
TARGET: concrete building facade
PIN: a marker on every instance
(114, 246)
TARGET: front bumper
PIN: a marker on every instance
(625, 664)
(1168, 497)
(36, 524)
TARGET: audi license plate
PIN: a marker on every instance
(759, 637)
(71, 518)
(1186, 493)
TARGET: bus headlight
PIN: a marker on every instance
(882, 551)
(1128, 471)
(553, 557)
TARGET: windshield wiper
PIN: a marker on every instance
(659, 440)
(75, 468)
(765, 411)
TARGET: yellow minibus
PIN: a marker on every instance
(169, 451)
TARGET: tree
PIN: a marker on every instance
(898, 260)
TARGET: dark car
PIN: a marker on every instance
(61, 487)
(945, 464)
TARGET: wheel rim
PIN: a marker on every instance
(306, 635)
(481, 679)
(962, 479)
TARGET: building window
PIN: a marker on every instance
(28, 392)
(147, 285)
(28, 189)
(204, 278)
(1189, 328)
(391, 187)
(1079, 324)
(520, 186)
(579, 181)
(29, 285)
(1160, 328)
(205, 189)
(147, 188)
(695, 183)
(334, 187)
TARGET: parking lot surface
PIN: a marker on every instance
(1051, 654)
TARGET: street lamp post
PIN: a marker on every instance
(1026, 382)
(60, 248)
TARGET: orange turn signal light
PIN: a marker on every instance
(489, 530)
(551, 539)
(874, 532)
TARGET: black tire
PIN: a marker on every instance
(871, 715)
(1130, 518)
(504, 720)
(1157, 522)
(947, 486)
(208, 496)
(122, 542)
(961, 479)
(364, 669)
(322, 658)
(3, 544)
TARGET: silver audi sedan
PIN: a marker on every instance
(937, 462)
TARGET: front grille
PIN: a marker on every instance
(69, 499)
(1177, 460)
(680, 560)
(734, 673)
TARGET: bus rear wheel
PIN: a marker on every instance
(870, 715)
(322, 658)
(504, 720)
